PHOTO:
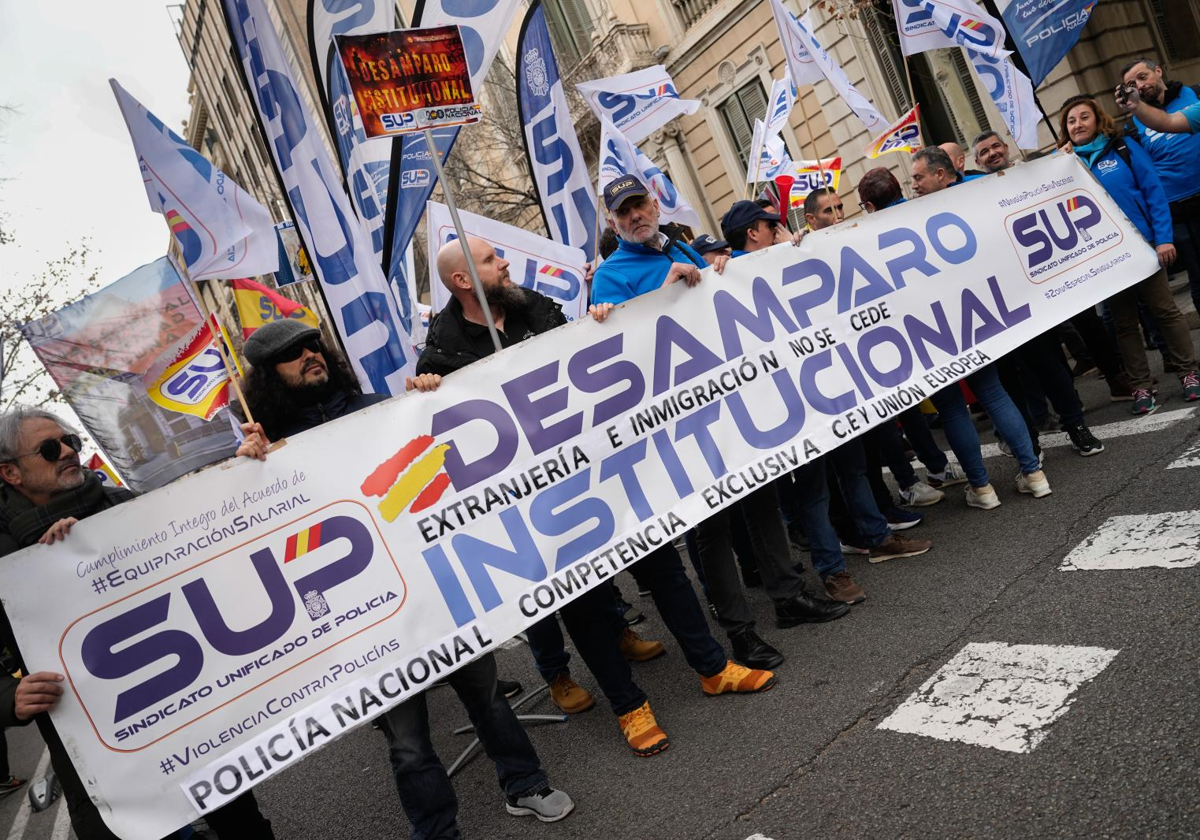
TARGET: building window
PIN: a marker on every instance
(571, 27)
(223, 120)
(230, 94)
(251, 169)
(1178, 26)
(738, 112)
(951, 108)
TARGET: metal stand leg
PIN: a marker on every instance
(528, 698)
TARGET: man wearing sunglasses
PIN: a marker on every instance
(44, 490)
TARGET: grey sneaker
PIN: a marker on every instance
(920, 495)
(547, 804)
(948, 477)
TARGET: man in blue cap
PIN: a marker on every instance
(710, 248)
(645, 261)
(748, 227)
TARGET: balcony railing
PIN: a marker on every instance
(690, 11)
(623, 49)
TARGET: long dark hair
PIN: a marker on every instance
(274, 403)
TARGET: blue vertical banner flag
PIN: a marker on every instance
(364, 165)
(363, 308)
(483, 25)
(1045, 32)
(556, 162)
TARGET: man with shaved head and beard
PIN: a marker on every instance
(959, 158)
(296, 383)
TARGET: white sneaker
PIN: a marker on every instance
(948, 477)
(1035, 484)
(984, 498)
(854, 549)
(921, 495)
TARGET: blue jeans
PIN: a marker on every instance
(595, 625)
(661, 572)
(810, 498)
(425, 790)
(916, 429)
(960, 430)
(849, 463)
(545, 637)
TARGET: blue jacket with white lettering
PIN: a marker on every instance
(1135, 186)
(1175, 156)
(635, 269)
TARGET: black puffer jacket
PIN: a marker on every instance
(450, 348)
(338, 405)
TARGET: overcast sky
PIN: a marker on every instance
(69, 167)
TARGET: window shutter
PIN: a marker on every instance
(972, 90)
(1176, 25)
(883, 35)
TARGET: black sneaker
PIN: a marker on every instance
(509, 688)
(547, 804)
(1084, 441)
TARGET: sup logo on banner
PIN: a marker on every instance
(236, 621)
(1060, 233)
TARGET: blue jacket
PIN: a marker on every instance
(1175, 156)
(634, 269)
(1137, 189)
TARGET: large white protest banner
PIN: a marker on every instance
(218, 630)
(554, 270)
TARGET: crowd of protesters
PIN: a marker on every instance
(836, 505)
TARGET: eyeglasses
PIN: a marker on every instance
(291, 354)
(51, 448)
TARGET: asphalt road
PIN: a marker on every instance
(1114, 753)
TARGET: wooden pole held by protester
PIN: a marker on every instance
(462, 240)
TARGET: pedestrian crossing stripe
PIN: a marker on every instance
(302, 543)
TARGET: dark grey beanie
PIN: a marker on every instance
(271, 339)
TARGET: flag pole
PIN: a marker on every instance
(462, 240)
(812, 139)
(211, 318)
(757, 167)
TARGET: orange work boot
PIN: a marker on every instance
(737, 679)
(636, 649)
(642, 732)
(569, 695)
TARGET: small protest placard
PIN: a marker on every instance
(409, 79)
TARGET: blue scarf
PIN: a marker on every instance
(1090, 151)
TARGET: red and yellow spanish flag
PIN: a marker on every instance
(107, 477)
(257, 305)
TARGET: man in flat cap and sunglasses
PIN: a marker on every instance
(296, 383)
(44, 490)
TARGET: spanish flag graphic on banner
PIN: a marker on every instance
(195, 380)
(257, 305)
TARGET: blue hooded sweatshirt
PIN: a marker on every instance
(1175, 156)
(1135, 187)
(634, 269)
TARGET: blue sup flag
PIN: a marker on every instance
(552, 150)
